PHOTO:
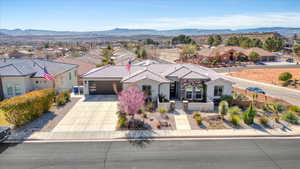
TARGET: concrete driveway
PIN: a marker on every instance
(95, 113)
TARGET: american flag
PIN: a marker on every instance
(47, 75)
(128, 66)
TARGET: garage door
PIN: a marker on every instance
(103, 87)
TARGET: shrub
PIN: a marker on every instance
(235, 119)
(223, 108)
(295, 109)
(290, 117)
(285, 76)
(150, 107)
(62, 98)
(162, 110)
(197, 116)
(234, 110)
(264, 120)
(22, 109)
(145, 115)
(227, 98)
(249, 114)
(122, 119)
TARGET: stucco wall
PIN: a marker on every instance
(23, 83)
(63, 82)
(219, 82)
(164, 87)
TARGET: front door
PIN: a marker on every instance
(173, 89)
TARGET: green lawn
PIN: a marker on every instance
(3, 122)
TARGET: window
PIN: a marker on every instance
(18, 90)
(9, 90)
(70, 75)
(147, 90)
(218, 91)
(198, 92)
(189, 92)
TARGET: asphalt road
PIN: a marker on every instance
(290, 96)
(205, 154)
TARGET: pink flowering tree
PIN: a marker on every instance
(131, 100)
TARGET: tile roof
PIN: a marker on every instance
(32, 67)
(83, 68)
(157, 72)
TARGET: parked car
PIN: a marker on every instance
(4, 133)
(256, 90)
(260, 63)
(291, 60)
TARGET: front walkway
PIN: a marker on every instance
(95, 113)
(181, 120)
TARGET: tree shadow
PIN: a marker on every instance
(140, 134)
(5, 146)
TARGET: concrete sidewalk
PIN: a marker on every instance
(111, 135)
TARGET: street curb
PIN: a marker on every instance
(154, 138)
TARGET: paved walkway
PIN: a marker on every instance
(181, 120)
(290, 95)
(95, 113)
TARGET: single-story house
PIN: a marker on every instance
(231, 53)
(83, 67)
(21, 75)
(173, 81)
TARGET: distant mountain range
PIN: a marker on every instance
(285, 31)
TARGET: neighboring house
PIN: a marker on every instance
(21, 75)
(83, 68)
(231, 53)
(173, 81)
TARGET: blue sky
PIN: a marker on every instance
(92, 15)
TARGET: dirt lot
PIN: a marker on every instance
(268, 75)
(169, 54)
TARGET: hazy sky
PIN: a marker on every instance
(91, 15)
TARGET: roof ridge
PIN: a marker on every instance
(96, 70)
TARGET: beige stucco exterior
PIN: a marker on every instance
(156, 87)
(227, 88)
(21, 85)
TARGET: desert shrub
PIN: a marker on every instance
(295, 109)
(223, 108)
(197, 116)
(235, 119)
(62, 98)
(145, 115)
(227, 98)
(22, 109)
(290, 117)
(150, 107)
(162, 110)
(234, 110)
(141, 111)
(122, 120)
(264, 120)
(249, 114)
(285, 76)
